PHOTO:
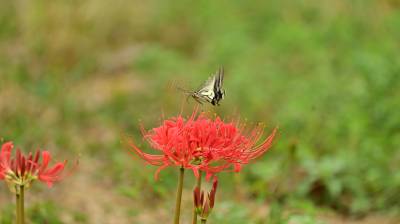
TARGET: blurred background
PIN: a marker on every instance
(76, 75)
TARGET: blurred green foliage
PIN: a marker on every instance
(41, 213)
(75, 75)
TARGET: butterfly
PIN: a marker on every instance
(211, 90)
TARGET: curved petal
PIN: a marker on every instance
(46, 157)
(52, 174)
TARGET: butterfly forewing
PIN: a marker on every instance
(206, 91)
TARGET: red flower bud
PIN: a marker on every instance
(196, 196)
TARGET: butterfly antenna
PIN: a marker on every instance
(178, 87)
(185, 91)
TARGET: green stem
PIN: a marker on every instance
(203, 221)
(20, 205)
(179, 196)
(198, 184)
(17, 208)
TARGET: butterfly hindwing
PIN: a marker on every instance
(218, 91)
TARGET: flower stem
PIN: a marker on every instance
(17, 209)
(203, 221)
(20, 205)
(179, 196)
(198, 184)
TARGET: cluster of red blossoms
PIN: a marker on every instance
(203, 144)
(22, 170)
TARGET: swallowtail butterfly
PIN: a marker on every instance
(211, 90)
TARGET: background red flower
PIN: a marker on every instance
(23, 169)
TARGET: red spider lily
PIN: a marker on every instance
(200, 143)
(23, 170)
(203, 205)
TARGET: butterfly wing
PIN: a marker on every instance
(220, 79)
(206, 91)
(218, 91)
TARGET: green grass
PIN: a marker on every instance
(75, 75)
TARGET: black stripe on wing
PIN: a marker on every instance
(218, 91)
